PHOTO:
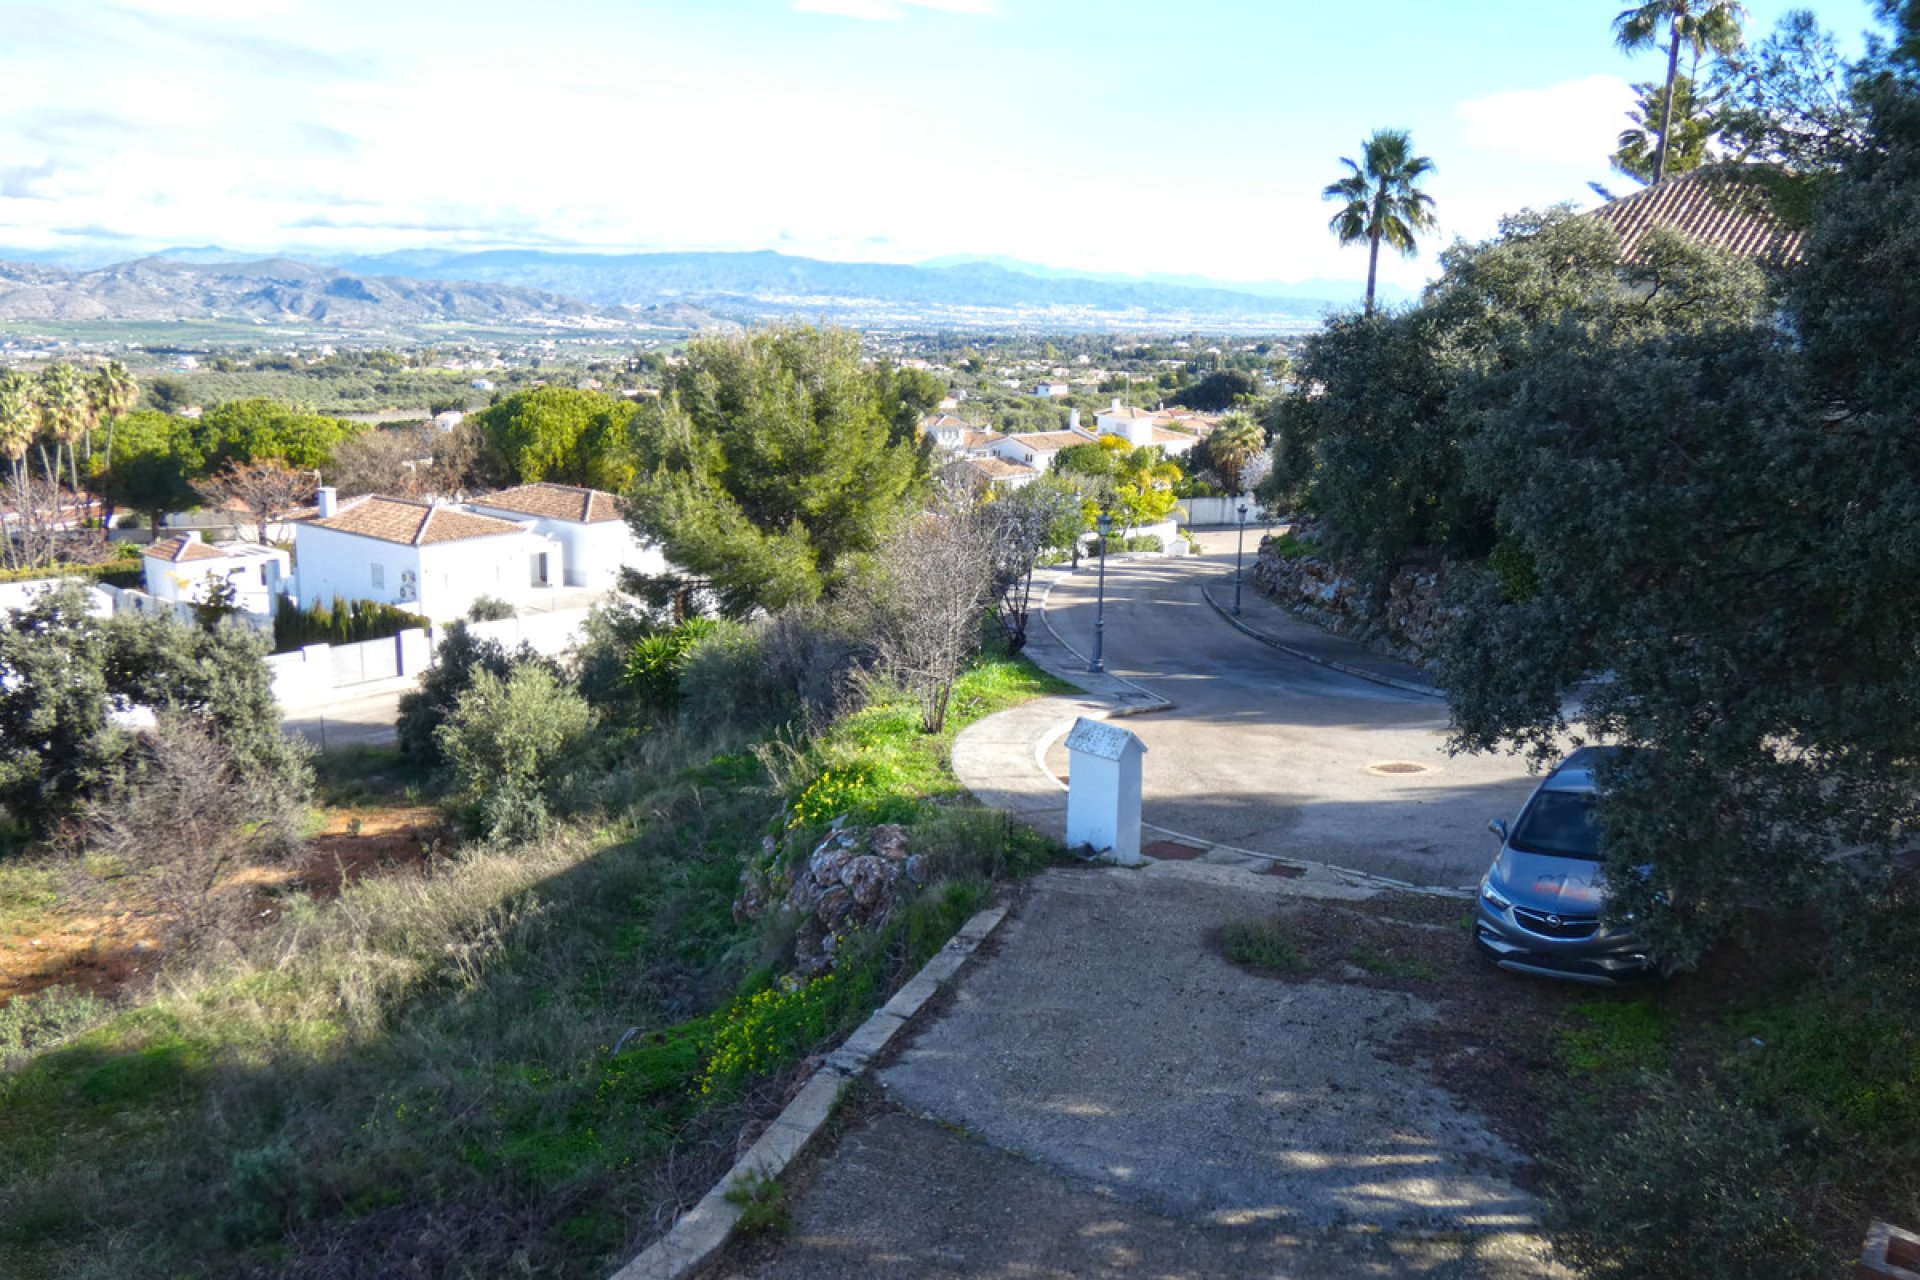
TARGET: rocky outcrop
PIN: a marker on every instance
(1406, 619)
(850, 883)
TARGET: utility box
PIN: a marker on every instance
(1103, 790)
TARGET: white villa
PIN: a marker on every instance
(586, 522)
(1138, 427)
(990, 471)
(179, 568)
(1036, 449)
(429, 557)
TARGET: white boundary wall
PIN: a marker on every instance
(320, 673)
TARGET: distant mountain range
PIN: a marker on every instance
(281, 291)
(546, 289)
(766, 284)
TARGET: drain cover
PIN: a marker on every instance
(1392, 767)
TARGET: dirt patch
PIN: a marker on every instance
(1172, 850)
(107, 953)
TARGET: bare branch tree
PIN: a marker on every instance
(1023, 525)
(181, 825)
(266, 488)
(935, 583)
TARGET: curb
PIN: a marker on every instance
(1372, 677)
(1149, 701)
(698, 1236)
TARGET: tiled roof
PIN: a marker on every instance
(947, 422)
(1122, 411)
(555, 502)
(997, 468)
(978, 439)
(1709, 205)
(412, 523)
(1045, 441)
(1161, 435)
(175, 550)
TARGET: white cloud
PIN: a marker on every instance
(1551, 125)
(891, 10)
(225, 9)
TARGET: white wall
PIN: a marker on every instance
(595, 553)
(440, 580)
(319, 673)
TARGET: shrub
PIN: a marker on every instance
(611, 630)
(348, 622)
(180, 823)
(1692, 1186)
(489, 609)
(502, 741)
(31, 1023)
(459, 657)
(655, 662)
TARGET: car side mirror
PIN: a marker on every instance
(1499, 827)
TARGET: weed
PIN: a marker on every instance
(1618, 1037)
(1386, 963)
(1262, 945)
(762, 1202)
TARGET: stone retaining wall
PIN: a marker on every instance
(1406, 622)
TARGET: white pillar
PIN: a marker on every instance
(1103, 790)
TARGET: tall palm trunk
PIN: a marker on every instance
(1373, 266)
(1666, 115)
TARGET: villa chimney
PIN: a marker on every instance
(325, 497)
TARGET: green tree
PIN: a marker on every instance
(258, 429)
(147, 472)
(113, 392)
(1692, 127)
(559, 434)
(1381, 200)
(1234, 443)
(503, 740)
(66, 414)
(19, 420)
(1700, 24)
(770, 466)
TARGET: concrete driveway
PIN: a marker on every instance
(1276, 755)
(1107, 1096)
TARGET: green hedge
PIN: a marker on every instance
(115, 573)
(350, 623)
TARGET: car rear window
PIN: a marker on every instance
(1559, 823)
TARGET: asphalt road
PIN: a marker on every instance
(1272, 754)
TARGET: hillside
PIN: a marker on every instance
(764, 284)
(280, 291)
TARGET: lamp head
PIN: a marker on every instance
(1243, 511)
(1105, 522)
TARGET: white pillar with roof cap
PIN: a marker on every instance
(1103, 790)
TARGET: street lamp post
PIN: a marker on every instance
(1238, 547)
(1100, 599)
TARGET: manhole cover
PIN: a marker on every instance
(1394, 767)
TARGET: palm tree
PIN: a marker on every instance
(1237, 441)
(64, 414)
(1701, 24)
(1382, 201)
(19, 420)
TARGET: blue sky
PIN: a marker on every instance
(1110, 135)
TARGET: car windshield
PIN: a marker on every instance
(1559, 823)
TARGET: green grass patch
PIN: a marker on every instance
(1290, 547)
(1615, 1037)
(1262, 945)
(27, 892)
(445, 1044)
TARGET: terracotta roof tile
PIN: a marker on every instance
(175, 550)
(555, 502)
(412, 523)
(1043, 441)
(997, 468)
(1710, 205)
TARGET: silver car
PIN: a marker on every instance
(1541, 901)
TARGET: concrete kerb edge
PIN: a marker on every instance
(1372, 677)
(1154, 702)
(697, 1238)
